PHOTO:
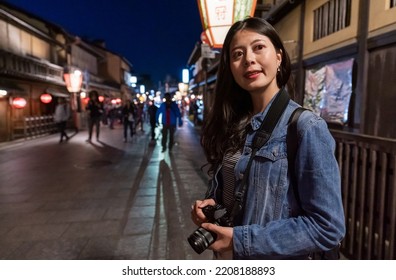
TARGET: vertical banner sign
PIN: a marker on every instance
(217, 16)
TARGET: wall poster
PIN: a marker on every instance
(328, 91)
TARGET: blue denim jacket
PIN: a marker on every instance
(273, 225)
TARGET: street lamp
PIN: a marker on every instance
(73, 80)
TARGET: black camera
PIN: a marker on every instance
(201, 238)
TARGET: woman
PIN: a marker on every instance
(254, 68)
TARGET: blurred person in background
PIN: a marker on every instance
(139, 116)
(152, 112)
(170, 118)
(61, 116)
(95, 112)
(128, 119)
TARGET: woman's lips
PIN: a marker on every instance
(252, 74)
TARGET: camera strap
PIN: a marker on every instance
(261, 137)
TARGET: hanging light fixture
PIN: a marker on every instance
(73, 80)
(217, 16)
(46, 98)
(18, 102)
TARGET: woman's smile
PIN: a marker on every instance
(252, 74)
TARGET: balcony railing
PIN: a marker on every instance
(33, 68)
(367, 165)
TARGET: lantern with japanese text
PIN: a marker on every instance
(217, 16)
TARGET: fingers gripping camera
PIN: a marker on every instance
(201, 238)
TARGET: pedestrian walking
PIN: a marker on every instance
(61, 116)
(170, 118)
(152, 112)
(95, 112)
(269, 215)
(139, 117)
(128, 119)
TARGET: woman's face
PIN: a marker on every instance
(254, 62)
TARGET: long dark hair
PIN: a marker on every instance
(225, 126)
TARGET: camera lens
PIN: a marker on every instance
(201, 239)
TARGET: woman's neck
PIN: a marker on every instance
(261, 99)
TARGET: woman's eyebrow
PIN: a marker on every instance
(253, 42)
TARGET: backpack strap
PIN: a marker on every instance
(292, 146)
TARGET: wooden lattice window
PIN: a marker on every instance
(331, 17)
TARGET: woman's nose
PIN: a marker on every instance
(249, 59)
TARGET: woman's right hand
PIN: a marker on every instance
(197, 216)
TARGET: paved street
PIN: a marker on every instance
(101, 200)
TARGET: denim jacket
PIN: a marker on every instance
(273, 226)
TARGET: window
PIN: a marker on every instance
(392, 4)
(331, 17)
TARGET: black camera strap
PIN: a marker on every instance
(261, 137)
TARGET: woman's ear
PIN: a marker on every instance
(279, 54)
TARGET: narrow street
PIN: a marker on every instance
(101, 200)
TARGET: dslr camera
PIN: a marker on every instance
(201, 238)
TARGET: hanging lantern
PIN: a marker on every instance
(101, 98)
(18, 102)
(217, 16)
(73, 80)
(46, 98)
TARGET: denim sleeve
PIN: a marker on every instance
(321, 226)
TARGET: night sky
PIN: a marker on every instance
(156, 36)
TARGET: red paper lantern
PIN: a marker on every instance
(46, 98)
(18, 102)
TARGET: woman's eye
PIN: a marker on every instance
(237, 54)
(259, 47)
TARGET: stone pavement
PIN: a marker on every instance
(101, 200)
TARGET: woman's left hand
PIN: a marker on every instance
(224, 237)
